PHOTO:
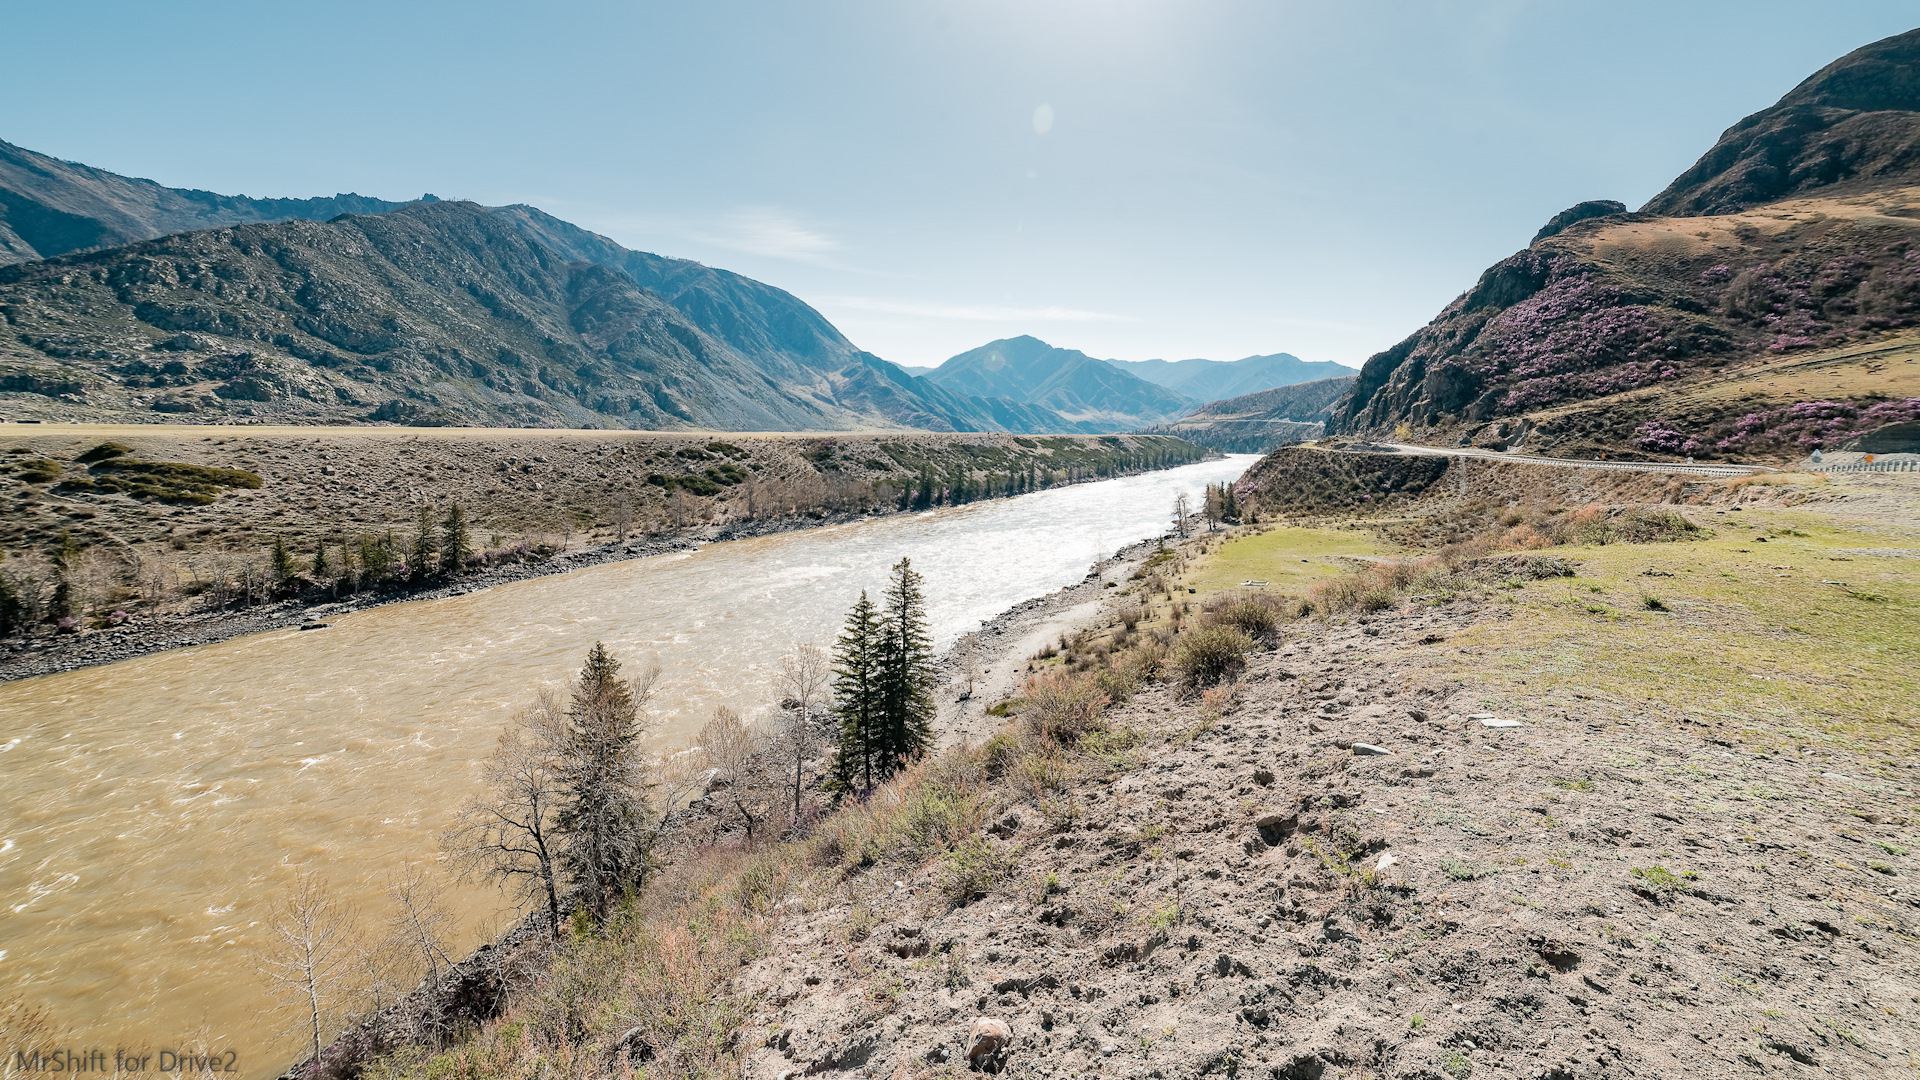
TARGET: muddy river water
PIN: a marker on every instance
(151, 810)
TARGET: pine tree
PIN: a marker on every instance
(454, 541)
(906, 674)
(320, 567)
(856, 691)
(603, 818)
(282, 562)
(423, 543)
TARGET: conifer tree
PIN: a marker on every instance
(454, 541)
(320, 567)
(906, 674)
(422, 564)
(282, 561)
(856, 691)
(603, 823)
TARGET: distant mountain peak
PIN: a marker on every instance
(1214, 380)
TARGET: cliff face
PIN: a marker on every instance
(1606, 303)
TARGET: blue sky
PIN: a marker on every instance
(1134, 178)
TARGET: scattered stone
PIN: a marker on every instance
(1497, 723)
(990, 1040)
(314, 625)
(1386, 861)
(1418, 715)
(1361, 749)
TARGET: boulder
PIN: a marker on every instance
(990, 1041)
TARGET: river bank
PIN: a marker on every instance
(344, 752)
(149, 537)
(26, 658)
(1652, 819)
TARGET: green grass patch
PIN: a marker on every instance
(1276, 555)
(1752, 636)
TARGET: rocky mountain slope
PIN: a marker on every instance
(440, 313)
(1853, 126)
(1217, 380)
(1066, 381)
(1593, 338)
(51, 207)
(1257, 423)
(786, 338)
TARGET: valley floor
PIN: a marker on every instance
(1655, 819)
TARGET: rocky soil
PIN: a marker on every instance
(1360, 867)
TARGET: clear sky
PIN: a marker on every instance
(1134, 178)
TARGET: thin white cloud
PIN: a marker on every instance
(965, 313)
(774, 233)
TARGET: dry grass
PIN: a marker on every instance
(652, 985)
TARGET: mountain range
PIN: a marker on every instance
(50, 207)
(1218, 380)
(125, 301)
(1122, 393)
(1765, 304)
(1256, 423)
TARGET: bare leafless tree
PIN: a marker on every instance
(508, 833)
(310, 966)
(681, 508)
(420, 924)
(155, 573)
(730, 745)
(1182, 510)
(966, 653)
(622, 516)
(804, 675)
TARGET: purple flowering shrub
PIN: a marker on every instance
(1799, 428)
(1579, 337)
(1797, 303)
(1661, 437)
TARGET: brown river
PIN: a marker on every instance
(152, 810)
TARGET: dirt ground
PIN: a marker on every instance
(1386, 853)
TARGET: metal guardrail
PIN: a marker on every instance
(1619, 466)
(1870, 466)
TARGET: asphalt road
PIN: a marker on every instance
(1628, 466)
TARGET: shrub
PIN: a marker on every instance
(104, 451)
(999, 754)
(1041, 773)
(1653, 525)
(1062, 707)
(971, 870)
(1209, 655)
(1256, 615)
